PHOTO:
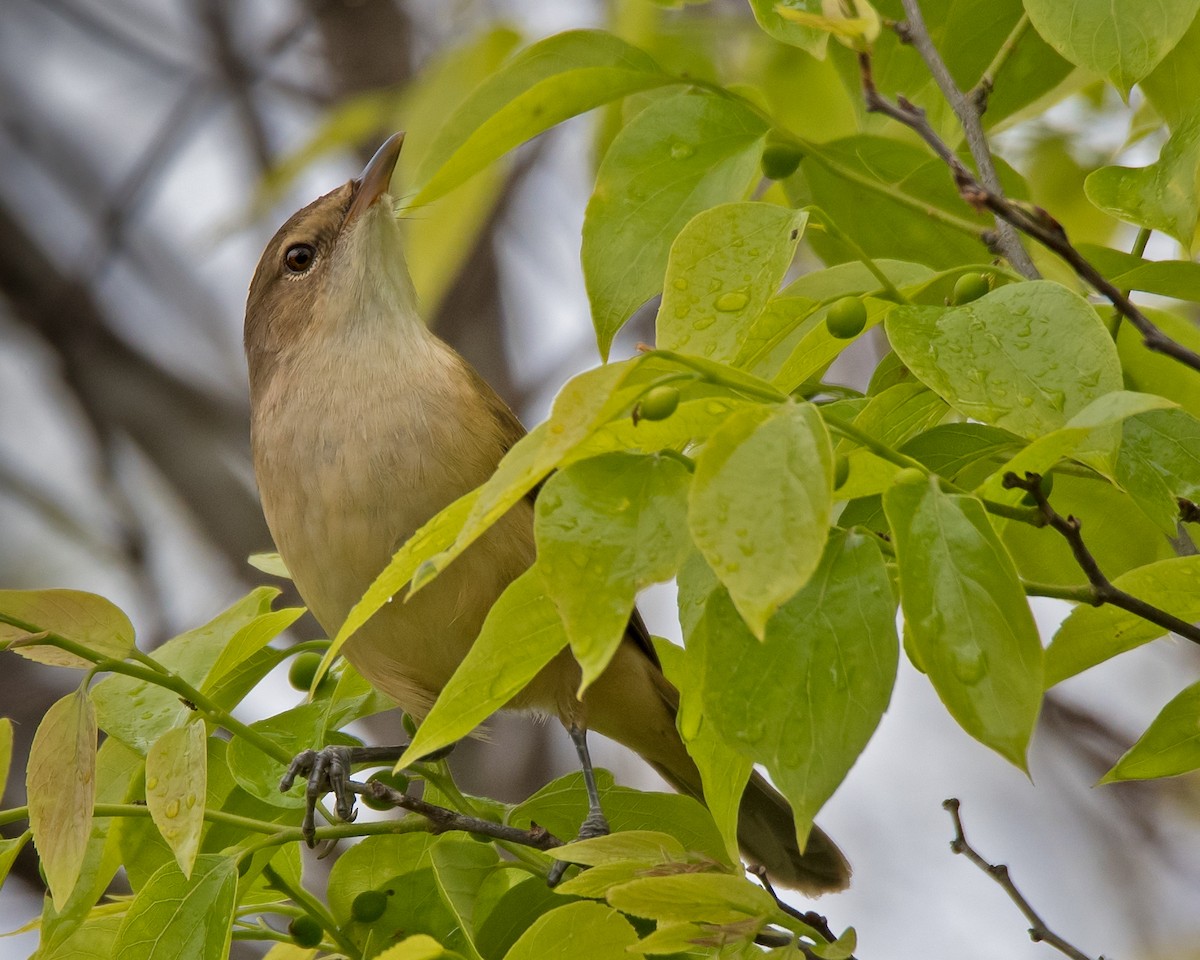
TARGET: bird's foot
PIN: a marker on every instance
(594, 825)
(327, 771)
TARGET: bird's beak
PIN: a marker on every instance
(373, 182)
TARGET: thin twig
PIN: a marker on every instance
(1103, 590)
(979, 94)
(1033, 221)
(1008, 242)
(443, 819)
(809, 918)
(1038, 931)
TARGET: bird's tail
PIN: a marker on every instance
(644, 721)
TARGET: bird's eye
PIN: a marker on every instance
(299, 257)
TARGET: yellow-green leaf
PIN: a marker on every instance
(61, 784)
(176, 781)
(92, 621)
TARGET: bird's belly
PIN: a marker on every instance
(336, 529)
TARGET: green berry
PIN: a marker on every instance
(306, 932)
(780, 160)
(397, 781)
(841, 471)
(658, 404)
(368, 906)
(968, 287)
(846, 318)
(303, 669)
(409, 724)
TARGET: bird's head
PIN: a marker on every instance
(335, 270)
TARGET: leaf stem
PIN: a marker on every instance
(312, 906)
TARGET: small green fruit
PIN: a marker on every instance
(846, 318)
(658, 404)
(306, 932)
(303, 669)
(397, 781)
(780, 160)
(841, 471)
(968, 287)
(368, 906)
(409, 724)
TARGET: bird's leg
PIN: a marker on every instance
(595, 824)
(328, 771)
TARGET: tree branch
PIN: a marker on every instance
(1033, 221)
(1103, 590)
(968, 111)
(1038, 931)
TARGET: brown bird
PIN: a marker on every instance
(364, 424)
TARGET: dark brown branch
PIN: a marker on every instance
(1103, 590)
(1032, 221)
(809, 917)
(968, 111)
(443, 819)
(1038, 931)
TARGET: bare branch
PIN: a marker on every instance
(1038, 931)
(968, 111)
(1033, 221)
(1103, 590)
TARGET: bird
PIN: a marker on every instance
(364, 424)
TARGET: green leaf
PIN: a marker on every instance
(175, 916)
(836, 641)
(951, 449)
(578, 931)
(116, 767)
(138, 712)
(724, 772)
(522, 633)
(891, 417)
(514, 913)
(1025, 357)
(1120, 39)
(760, 505)
(1170, 278)
(1171, 87)
(809, 39)
(559, 77)
(369, 864)
(92, 621)
(966, 615)
(606, 528)
(723, 267)
(1088, 430)
(1158, 461)
(176, 781)
(561, 805)
(271, 563)
(249, 640)
(61, 785)
(1091, 635)
(6, 744)
(460, 866)
(1170, 746)
(707, 897)
(879, 191)
(1161, 196)
(1153, 372)
(92, 940)
(419, 947)
(9, 848)
(645, 845)
(679, 156)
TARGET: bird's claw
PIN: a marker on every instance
(327, 771)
